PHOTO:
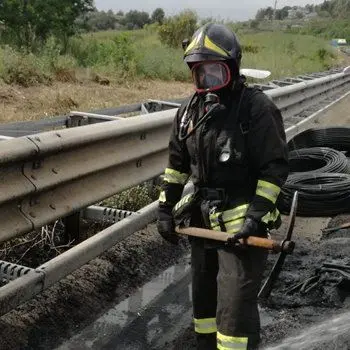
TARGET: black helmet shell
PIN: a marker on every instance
(213, 42)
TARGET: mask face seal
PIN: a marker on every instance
(210, 76)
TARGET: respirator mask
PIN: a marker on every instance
(210, 76)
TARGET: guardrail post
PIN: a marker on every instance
(72, 222)
(72, 228)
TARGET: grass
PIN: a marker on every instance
(121, 56)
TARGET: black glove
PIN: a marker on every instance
(249, 228)
(166, 229)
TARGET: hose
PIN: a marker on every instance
(333, 137)
(319, 194)
(318, 159)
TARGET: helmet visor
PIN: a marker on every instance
(210, 75)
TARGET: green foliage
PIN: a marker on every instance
(99, 20)
(139, 53)
(136, 19)
(28, 24)
(287, 54)
(133, 199)
(334, 9)
(327, 28)
(177, 28)
(116, 53)
(22, 69)
(158, 16)
(265, 13)
(162, 63)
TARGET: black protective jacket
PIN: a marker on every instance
(241, 148)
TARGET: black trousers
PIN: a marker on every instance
(225, 285)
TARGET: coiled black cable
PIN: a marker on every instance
(319, 194)
(333, 137)
(318, 159)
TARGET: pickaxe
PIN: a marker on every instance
(283, 247)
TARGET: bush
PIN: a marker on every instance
(177, 28)
(133, 199)
(22, 69)
(115, 53)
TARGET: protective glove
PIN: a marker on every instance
(166, 228)
(249, 228)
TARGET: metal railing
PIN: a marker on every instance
(46, 176)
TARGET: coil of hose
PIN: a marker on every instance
(319, 194)
(332, 137)
(318, 159)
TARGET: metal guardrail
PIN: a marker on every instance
(84, 118)
(46, 176)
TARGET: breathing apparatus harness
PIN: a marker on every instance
(211, 104)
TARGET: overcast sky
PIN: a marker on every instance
(222, 9)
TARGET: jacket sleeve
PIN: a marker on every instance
(177, 172)
(268, 152)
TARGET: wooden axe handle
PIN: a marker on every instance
(266, 243)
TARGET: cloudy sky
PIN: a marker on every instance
(222, 9)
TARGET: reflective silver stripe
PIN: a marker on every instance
(268, 190)
(175, 177)
(229, 215)
(205, 325)
(225, 342)
(162, 197)
(234, 226)
(183, 201)
(231, 226)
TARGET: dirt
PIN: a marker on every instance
(74, 302)
(36, 102)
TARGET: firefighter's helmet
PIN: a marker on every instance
(213, 42)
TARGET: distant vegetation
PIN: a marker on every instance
(331, 19)
(46, 40)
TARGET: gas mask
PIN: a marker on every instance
(210, 76)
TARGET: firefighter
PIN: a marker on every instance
(229, 138)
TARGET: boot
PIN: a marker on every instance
(206, 341)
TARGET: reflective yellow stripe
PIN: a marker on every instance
(228, 343)
(183, 201)
(233, 218)
(213, 47)
(231, 226)
(268, 190)
(175, 177)
(195, 43)
(205, 325)
(162, 197)
(271, 216)
(229, 215)
(234, 226)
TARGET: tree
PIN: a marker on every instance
(101, 20)
(299, 15)
(266, 13)
(310, 8)
(28, 23)
(158, 16)
(281, 14)
(136, 19)
(260, 15)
